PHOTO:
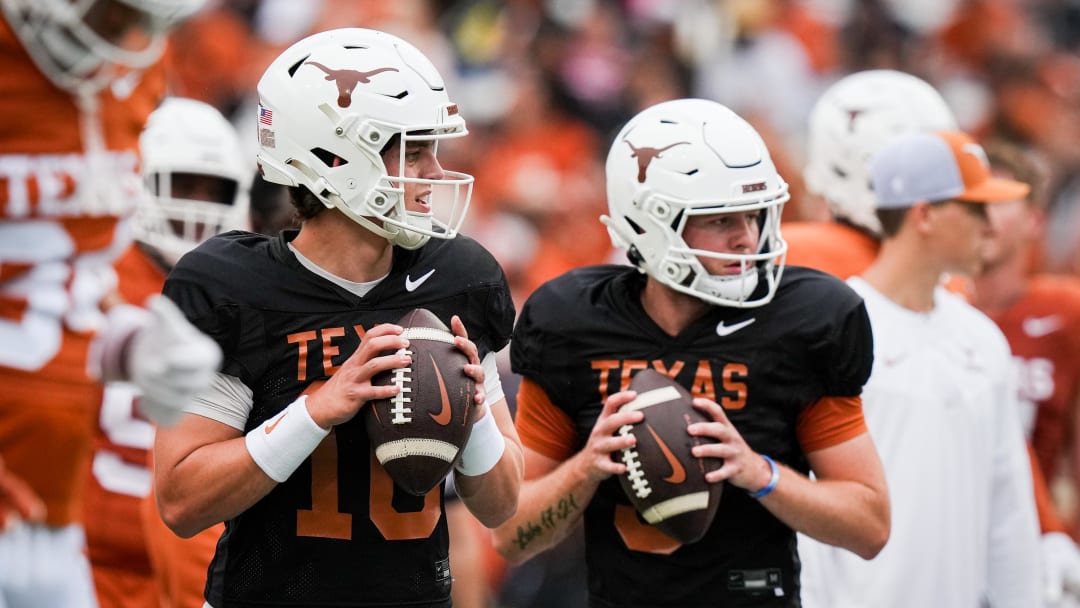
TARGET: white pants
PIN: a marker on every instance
(43, 567)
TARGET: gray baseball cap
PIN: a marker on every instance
(931, 167)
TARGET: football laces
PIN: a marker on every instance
(633, 467)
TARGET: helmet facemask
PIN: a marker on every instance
(85, 45)
(194, 169)
(684, 264)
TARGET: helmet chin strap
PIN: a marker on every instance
(402, 237)
(737, 287)
(411, 239)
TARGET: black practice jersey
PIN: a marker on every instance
(582, 336)
(337, 532)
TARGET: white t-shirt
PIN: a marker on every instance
(941, 408)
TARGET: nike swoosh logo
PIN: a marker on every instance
(443, 417)
(678, 473)
(411, 285)
(1037, 327)
(270, 427)
(726, 330)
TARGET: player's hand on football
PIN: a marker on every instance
(349, 388)
(17, 501)
(473, 369)
(743, 467)
(604, 440)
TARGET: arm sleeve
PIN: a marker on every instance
(228, 401)
(830, 421)
(542, 426)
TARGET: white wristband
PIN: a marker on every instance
(484, 448)
(281, 443)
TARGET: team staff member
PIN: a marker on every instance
(349, 119)
(777, 360)
(941, 403)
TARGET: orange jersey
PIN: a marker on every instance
(839, 250)
(133, 554)
(1043, 329)
(120, 475)
(61, 212)
(180, 564)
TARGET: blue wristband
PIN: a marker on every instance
(763, 492)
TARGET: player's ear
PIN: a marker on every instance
(921, 215)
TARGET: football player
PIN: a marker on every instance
(776, 359)
(80, 78)
(194, 167)
(1040, 316)
(349, 120)
(851, 121)
(941, 403)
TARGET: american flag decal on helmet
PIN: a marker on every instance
(266, 116)
(755, 187)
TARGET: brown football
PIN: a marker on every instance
(664, 481)
(418, 434)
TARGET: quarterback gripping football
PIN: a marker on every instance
(664, 481)
(418, 433)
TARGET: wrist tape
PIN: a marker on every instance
(284, 441)
(484, 448)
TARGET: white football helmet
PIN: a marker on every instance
(85, 45)
(691, 157)
(186, 139)
(854, 119)
(332, 102)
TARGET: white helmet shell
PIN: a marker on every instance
(330, 104)
(692, 157)
(185, 136)
(854, 119)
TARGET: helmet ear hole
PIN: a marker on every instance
(328, 158)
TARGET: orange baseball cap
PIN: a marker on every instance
(931, 167)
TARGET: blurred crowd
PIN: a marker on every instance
(543, 84)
